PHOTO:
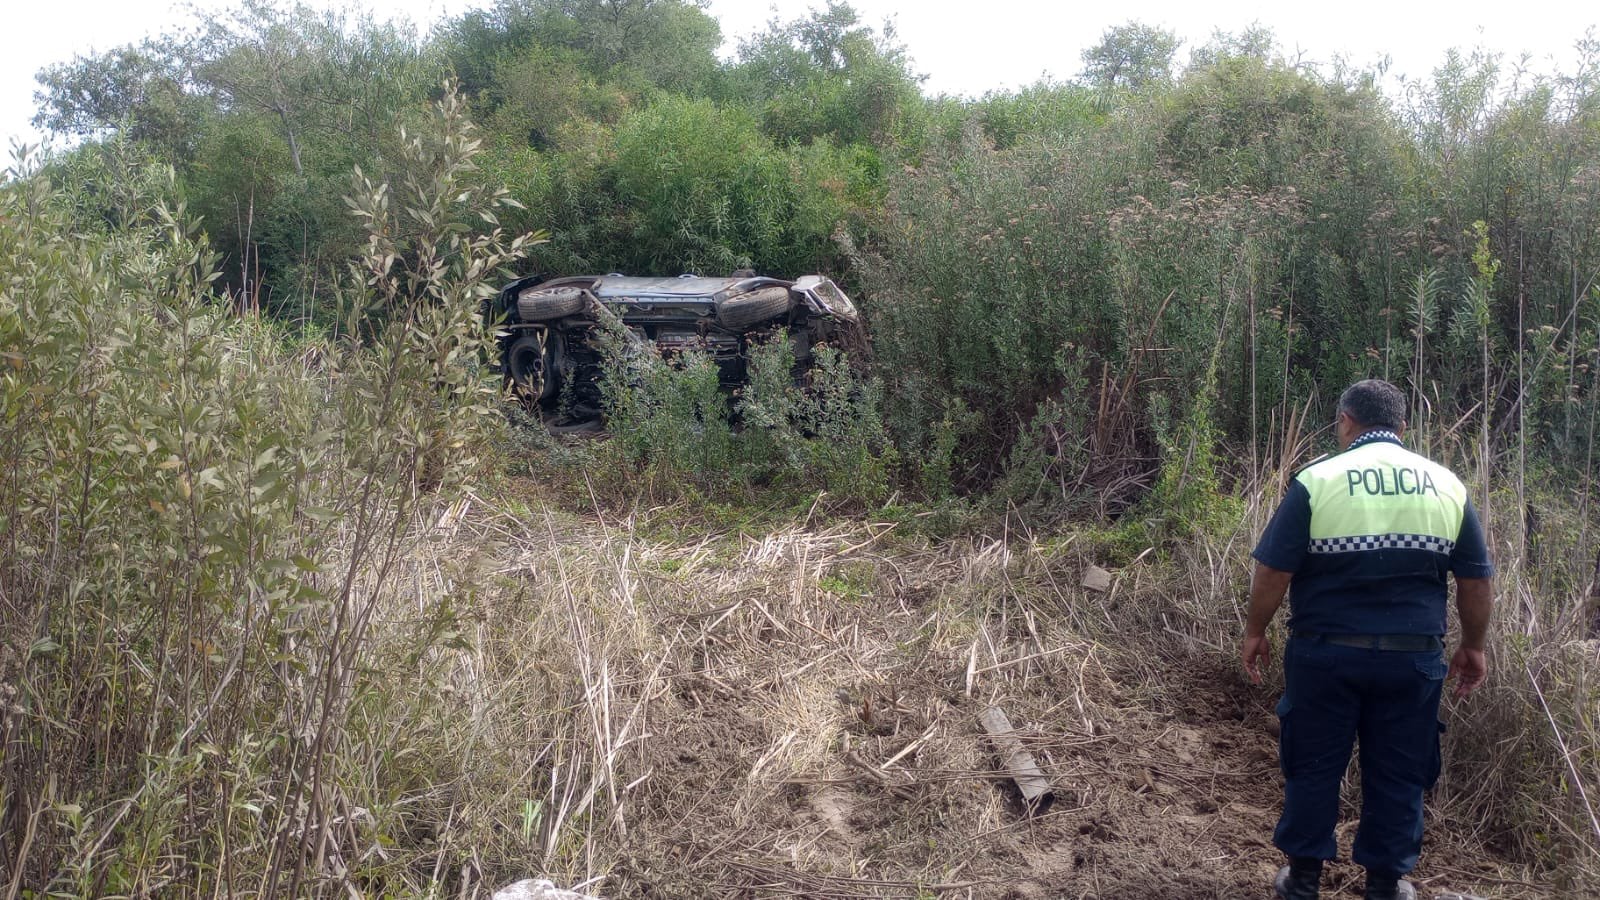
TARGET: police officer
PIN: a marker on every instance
(1363, 542)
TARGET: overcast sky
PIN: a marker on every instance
(962, 47)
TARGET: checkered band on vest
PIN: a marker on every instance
(1378, 435)
(1357, 543)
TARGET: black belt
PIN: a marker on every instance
(1409, 643)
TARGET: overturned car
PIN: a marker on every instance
(553, 364)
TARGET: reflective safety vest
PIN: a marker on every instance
(1371, 535)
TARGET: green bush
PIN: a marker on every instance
(670, 418)
(202, 522)
(791, 430)
(823, 433)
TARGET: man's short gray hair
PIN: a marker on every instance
(1374, 403)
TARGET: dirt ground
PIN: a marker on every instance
(812, 713)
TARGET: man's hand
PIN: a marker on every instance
(1468, 668)
(1267, 587)
(1254, 651)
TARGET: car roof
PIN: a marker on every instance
(650, 287)
(640, 286)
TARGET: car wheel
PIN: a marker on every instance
(743, 310)
(524, 363)
(542, 305)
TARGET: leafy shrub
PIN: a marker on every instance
(202, 523)
(786, 429)
(824, 432)
(671, 418)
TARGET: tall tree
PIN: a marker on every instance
(263, 109)
(827, 74)
(328, 72)
(666, 44)
(1134, 56)
(139, 89)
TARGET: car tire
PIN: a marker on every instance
(544, 304)
(743, 310)
(524, 365)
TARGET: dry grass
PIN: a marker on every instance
(794, 713)
(791, 711)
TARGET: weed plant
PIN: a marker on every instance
(204, 526)
(797, 431)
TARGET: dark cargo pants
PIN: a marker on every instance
(1390, 699)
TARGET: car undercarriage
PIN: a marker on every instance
(548, 330)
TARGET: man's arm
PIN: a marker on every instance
(1278, 554)
(1474, 604)
(1267, 587)
(1469, 562)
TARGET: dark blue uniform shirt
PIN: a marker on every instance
(1371, 535)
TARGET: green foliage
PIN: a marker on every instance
(847, 448)
(670, 417)
(983, 273)
(1017, 254)
(138, 89)
(538, 91)
(1255, 42)
(1045, 111)
(1188, 499)
(685, 185)
(1048, 468)
(1134, 56)
(263, 109)
(201, 520)
(826, 75)
(672, 422)
(667, 44)
(707, 192)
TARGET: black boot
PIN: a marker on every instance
(1389, 887)
(1301, 879)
